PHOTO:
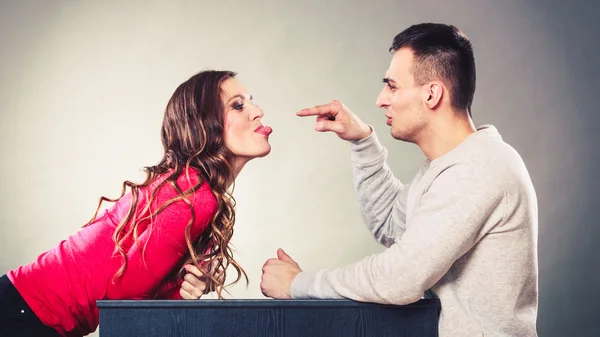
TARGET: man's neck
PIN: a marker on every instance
(445, 133)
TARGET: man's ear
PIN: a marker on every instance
(432, 94)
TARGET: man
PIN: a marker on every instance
(465, 227)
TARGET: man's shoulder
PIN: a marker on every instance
(491, 161)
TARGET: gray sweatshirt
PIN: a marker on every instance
(465, 227)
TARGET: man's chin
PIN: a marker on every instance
(402, 136)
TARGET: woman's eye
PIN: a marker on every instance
(238, 106)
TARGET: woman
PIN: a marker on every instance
(140, 248)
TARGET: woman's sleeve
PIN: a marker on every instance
(161, 245)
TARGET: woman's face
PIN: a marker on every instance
(245, 136)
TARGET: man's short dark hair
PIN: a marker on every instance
(441, 52)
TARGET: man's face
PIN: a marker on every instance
(401, 99)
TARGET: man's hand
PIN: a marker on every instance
(194, 281)
(336, 117)
(277, 276)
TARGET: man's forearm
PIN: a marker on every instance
(380, 195)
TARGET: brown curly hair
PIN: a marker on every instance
(193, 137)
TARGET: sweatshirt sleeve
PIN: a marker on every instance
(162, 244)
(381, 197)
(455, 213)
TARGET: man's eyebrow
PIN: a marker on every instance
(388, 80)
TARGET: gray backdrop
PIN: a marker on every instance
(83, 85)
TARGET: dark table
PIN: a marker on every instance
(240, 318)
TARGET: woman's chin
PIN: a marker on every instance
(265, 152)
(258, 154)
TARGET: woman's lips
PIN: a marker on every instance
(264, 130)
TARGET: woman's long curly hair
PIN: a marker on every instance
(192, 137)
